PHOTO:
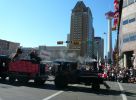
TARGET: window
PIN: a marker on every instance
(131, 20)
(124, 3)
(130, 2)
(126, 39)
(133, 37)
(130, 37)
(125, 22)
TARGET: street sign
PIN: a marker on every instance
(68, 41)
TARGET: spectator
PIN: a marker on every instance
(17, 55)
(34, 56)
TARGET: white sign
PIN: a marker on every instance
(44, 54)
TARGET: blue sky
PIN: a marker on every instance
(44, 22)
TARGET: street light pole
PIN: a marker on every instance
(97, 59)
(97, 43)
(106, 49)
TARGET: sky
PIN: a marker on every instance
(44, 22)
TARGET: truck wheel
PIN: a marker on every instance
(95, 86)
(60, 82)
(11, 79)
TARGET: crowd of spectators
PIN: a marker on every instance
(126, 75)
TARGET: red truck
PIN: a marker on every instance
(25, 70)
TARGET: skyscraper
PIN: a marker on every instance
(81, 30)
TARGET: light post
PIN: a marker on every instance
(134, 61)
(97, 53)
(105, 38)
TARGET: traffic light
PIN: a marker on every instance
(68, 41)
(59, 42)
(76, 42)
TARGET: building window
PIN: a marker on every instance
(131, 20)
(125, 40)
(133, 38)
(125, 22)
(124, 3)
(130, 37)
(130, 2)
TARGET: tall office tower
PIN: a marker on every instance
(81, 30)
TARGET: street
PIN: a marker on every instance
(118, 91)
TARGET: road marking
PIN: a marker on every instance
(53, 95)
(122, 92)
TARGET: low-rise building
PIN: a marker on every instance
(127, 35)
(8, 47)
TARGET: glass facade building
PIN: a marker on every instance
(82, 30)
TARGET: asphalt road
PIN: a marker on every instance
(118, 91)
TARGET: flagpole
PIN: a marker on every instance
(106, 49)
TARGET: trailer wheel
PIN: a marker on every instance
(3, 77)
(23, 80)
(39, 81)
(60, 82)
(11, 79)
(95, 86)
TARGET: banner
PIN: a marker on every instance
(116, 14)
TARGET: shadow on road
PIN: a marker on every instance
(98, 92)
(48, 86)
